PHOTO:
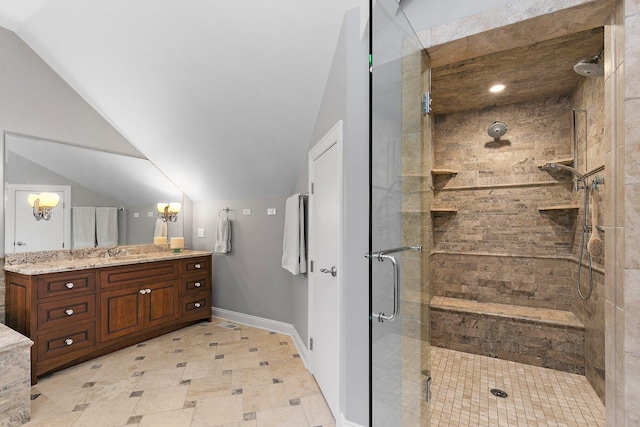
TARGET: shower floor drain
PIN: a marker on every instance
(499, 393)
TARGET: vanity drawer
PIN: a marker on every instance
(65, 284)
(197, 306)
(194, 265)
(58, 343)
(66, 312)
(195, 285)
(146, 272)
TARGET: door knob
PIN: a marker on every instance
(333, 271)
(20, 243)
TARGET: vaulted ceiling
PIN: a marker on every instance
(221, 96)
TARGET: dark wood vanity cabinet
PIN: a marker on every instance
(134, 308)
(78, 315)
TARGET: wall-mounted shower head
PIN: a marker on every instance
(559, 166)
(497, 129)
(590, 67)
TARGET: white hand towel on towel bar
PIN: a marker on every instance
(294, 255)
(84, 227)
(107, 227)
(223, 236)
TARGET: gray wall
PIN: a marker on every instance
(346, 98)
(250, 279)
(36, 101)
(80, 195)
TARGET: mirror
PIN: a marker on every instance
(83, 178)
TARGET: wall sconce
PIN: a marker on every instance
(169, 211)
(42, 204)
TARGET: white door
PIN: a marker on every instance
(325, 207)
(24, 232)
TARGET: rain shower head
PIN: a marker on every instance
(497, 129)
(590, 68)
(559, 166)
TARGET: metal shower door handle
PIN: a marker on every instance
(381, 256)
(396, 290)
(333, 271)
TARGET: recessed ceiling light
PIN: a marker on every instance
(497, 88)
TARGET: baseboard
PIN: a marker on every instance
(267, 324)
(345, 423)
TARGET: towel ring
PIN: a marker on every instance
(226, 210)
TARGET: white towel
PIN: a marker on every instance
(161, 228)
(107, 226)
(223, 236)
(294, 257)
(84, 227)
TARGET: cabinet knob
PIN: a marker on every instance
(68, 311)
(69, 285)
(148, 291)
(196, 305)
(143, 291)
(197, 266)
(68, 341)
(197, 284)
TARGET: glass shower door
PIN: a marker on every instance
(399, 327)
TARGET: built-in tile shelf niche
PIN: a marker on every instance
(434, 172)
(566, 161)
(443, 209)
(558, 207)
(446, 172)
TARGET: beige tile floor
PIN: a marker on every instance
(208, 374)
(536, 396)
(215, 374)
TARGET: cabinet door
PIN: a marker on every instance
(161, 303)
(121, 312)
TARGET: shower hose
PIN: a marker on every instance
(585, 231)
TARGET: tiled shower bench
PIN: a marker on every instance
(536, 336)
(15, 377)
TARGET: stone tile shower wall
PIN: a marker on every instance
(588, 100)
(502, 244)
(499, 247)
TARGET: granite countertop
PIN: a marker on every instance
(57, 266)
(10, 339)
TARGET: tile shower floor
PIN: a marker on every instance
(208, 374)
(536, 396)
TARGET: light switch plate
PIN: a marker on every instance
(149, 214)
(200, 232)
(271, 211)
(136, 215)
(246, 211)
